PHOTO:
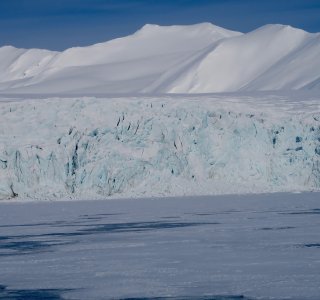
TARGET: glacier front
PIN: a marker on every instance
(138, 146)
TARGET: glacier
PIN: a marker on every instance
(97, 148)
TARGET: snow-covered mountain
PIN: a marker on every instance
(197, 58)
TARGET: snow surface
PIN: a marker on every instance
(246, 247)
(197, 58)
(155, 146)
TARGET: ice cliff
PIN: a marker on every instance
(98, 148)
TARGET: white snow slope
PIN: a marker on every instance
(198, 58)
(86, 148)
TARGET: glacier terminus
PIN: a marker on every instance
(138, 146)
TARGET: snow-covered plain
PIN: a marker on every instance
(246, 247)
(198, 58)
(81, 148)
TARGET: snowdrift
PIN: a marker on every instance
(174, 145)
(199, 58)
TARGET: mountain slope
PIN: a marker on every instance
(199, 58)
(270, 58)
(126, 64)
(19, 65)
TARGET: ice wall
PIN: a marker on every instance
(96, 148)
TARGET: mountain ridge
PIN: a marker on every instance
(199, 58)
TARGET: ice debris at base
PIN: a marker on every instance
(138, 146)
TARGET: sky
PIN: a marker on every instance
(60, 24)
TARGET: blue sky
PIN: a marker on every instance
(59, 24)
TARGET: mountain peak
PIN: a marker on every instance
(273, 28)
(171, 59)
(200, 27)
